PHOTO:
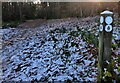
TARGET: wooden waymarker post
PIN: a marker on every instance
(105, 42)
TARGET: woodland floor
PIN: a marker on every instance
(54, 50)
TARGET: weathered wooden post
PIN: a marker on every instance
(105, 41)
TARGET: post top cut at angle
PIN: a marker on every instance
(107, 12)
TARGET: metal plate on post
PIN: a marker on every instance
(101, 19)
(108, 20)
(101, 27)
(108, 28)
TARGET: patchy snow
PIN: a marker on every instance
(54, 56)
(59, 62)
(87, 62)
(62, 78)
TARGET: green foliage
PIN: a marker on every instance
(90, 38)
(74, 33)
(58, 30)
(118, 79)
(119, 69)
(108, 74)
(114, 45)
(11, 24)
(116, 22)
(86, 36)
(67, 53)
(74, 44)
(54, 39)
(66, 46)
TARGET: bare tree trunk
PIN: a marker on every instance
(20, 10)
(92, 9)
(81, 10)
(0, 14)
(119, 9)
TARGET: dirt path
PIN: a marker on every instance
(32, 23)
(42, 22)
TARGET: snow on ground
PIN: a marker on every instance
(51, 52)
